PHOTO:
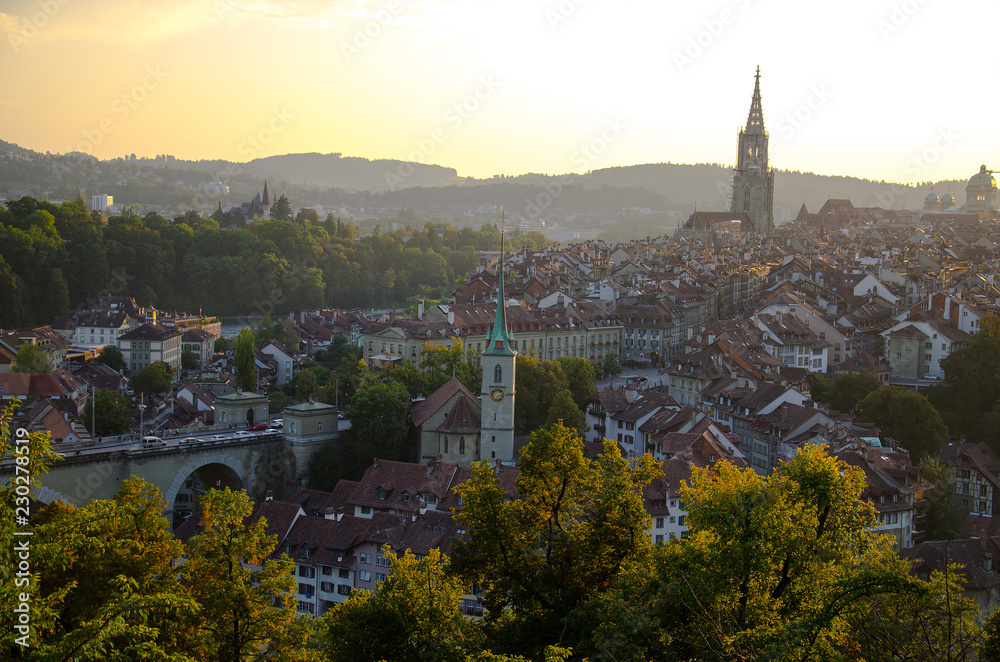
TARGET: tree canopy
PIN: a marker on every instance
(906, 416)
(30, 358)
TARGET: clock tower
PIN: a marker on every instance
(498, 361)
(753, 180)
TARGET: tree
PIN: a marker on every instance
(112, 357)
(112, 414)
(412, 615)
(973, 375)
(154, 378)
(30, 358)
(610, 366)
(189, 360)
(305, 384)
(846, 391)
(221, 345)
(245, 361)
(942, 521)
(111, 564)
(538, 382)
(906, 416)
(564, 410)
(581, 376)
(244, 610)
(277, 401)
(541, 556)
(378, 415)
(282, 209)
(441, 363)
(784, 567)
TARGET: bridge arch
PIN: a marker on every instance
(234, 466)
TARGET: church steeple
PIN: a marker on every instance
(755, 119)
(266, 201)
(753, 180)
(499, 342)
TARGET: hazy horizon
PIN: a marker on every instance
(507, 88)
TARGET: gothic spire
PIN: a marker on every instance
(266, 201)
(499, 341)
(755, 120)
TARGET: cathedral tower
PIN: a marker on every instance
(498, 361)
(753, 181)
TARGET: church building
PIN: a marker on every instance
(455, 425)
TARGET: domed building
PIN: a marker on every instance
(931, 202)
(981, 192)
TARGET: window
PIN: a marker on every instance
(461, 446)
(382, 560)
(319, 426)
(446, 444)
(680, 521)
(659, 540)
(327, 586)
(366, 510)
(365, 558)
(406, 496)
(291, 428)
(327, 570)
(305, 589)
(306, 606)
(306, 571)
(343, 573)
(343, 589)
(672, 519)
(498, 375)
(366, 575)
(379, 577)
(381, 493)
(659, 522)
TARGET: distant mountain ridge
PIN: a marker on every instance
(656, 186)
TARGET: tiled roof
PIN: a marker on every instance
(427, 407)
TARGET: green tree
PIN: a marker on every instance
(440, 364)
(245, 611)
(245, 361)
(942, 521)
(906, 416)
(111, 566)
(305, 383)
(154, 378)
(565, 540)
(538, 382)
(973, 375)
(277, 401)
(581, 376)
(189, 360)
(30, 358)
(112, 357)
(282, 209)
(221, 345)
(412, 615)
(564, 410)
(378, 413)
(783, 567)
(112, 413)
(846, 391)
(610, 366)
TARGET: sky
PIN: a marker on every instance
(898, 90)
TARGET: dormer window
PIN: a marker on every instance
(406, 496)
(381, 493)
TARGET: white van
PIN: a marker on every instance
(149, 441)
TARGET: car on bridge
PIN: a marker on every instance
(260, 427)
(189, 440)
(151, 440)
(242, 433)
(218, 437)
(277, 423)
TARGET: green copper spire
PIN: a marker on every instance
(499, 342)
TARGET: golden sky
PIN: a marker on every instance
(898, 90)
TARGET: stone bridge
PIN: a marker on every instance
(259, 464)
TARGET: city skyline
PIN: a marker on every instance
(506, 88)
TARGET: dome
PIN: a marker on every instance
(931, 197)
(983, 178)
(948, 199)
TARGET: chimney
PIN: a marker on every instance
(392, 315)
(420, 308)
(269, 495)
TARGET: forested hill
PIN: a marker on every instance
(315, 178)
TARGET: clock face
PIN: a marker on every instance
(496, 394)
